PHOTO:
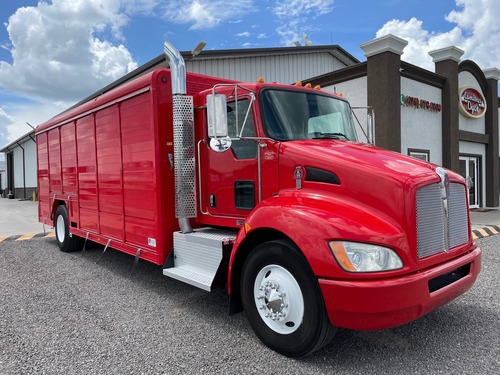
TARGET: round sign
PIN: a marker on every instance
(471, 103)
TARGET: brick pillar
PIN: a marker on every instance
(384, 88)
(446, 62)
(492, 148)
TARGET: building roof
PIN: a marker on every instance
(14, 144)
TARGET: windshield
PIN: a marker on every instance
(293, 115)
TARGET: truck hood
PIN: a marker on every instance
(350, 159)
(370, 179)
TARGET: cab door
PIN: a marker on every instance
(232, 175)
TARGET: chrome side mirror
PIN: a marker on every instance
(217, 116)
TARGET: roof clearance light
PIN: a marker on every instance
(299, 83)
(340, 94)
(317, 87)
(308, 85)
(260, 80)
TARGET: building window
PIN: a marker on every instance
(424, 155)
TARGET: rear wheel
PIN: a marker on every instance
(283, 301)
(66, 242)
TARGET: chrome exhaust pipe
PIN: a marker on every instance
(184, 155)
(177, 69)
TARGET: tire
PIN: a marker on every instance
(66, 242)
(283, 301)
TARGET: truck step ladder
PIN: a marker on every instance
(196, 256)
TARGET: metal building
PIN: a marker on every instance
(20, 161)
(3, 176)
(282, 65)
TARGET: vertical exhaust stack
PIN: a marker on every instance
(184, 145)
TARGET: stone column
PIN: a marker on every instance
(384, 88)
(446, 62)
(492, 148)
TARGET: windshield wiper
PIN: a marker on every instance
(319, 135)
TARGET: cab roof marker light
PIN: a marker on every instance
(298, 83)
(261, 80)
(308, 85)
(317, 87)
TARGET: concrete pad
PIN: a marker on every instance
(19, 217)
(484, 217)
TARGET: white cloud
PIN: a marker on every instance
(302, 8)
(475, 30)
(55, 51)
(295, 17)
(4, 116)
(13, 118)
(206, 14)
(59, 57)
(5, 121)
(244, 34)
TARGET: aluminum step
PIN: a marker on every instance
(198, 255)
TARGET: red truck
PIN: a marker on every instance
(261, 189)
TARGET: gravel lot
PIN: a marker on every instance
(66, 314)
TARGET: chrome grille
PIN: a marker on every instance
(430, 220)
(458, 226)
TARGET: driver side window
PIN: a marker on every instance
(242, 149)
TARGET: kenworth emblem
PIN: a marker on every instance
(444, 185)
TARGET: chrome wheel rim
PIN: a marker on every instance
(60, 228)
(279, 299)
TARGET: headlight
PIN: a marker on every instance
(361, 257)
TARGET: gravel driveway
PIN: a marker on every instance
(66, 314)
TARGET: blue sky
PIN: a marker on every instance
(56, 52)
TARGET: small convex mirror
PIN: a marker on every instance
(217, 116)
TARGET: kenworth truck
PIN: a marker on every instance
(263, 190)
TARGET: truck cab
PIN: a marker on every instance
(385, 237)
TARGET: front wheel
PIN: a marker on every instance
(66, 241)
(283, 301)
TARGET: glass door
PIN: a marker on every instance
(469, 169)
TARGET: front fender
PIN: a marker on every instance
(312, 218)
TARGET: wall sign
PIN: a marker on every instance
(471, 103)
(410, 101)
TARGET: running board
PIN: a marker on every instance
(197, 256)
